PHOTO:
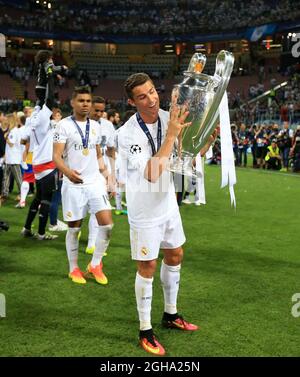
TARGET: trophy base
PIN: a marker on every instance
(184, 167)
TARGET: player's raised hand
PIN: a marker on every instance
(178, 115)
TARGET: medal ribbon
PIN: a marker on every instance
(148, 134)
(85, 140)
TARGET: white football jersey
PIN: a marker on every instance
(148, 204)
(13, 155)
(41, 138)
(107, 134)
(86, 164)
(107, 139)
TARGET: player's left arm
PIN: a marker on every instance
(111, 182)
(102, 166)
(73, 175)
(111, 153)
(111, 150)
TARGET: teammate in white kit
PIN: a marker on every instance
(107, 137)
(146, 141)
(77, 155)
(40, 134)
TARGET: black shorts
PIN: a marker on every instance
(46, 186)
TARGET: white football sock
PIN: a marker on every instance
(170, 277)
(102, 242)
(93, 231)
(72, 247)
(24, 191)
(143, 295)
(119, 199)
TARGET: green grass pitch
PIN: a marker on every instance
(240, 271)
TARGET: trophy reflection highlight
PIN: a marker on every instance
(200, 94)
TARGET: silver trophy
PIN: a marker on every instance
(201, 95)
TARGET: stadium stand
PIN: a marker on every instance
(134, 17)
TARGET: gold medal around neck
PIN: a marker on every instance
(85, 151)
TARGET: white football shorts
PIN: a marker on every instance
(146, 242)
(78, 200)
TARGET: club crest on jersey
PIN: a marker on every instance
(135, 149)
(55, 137)
(144, 250)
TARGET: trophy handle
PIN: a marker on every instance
(224, 66)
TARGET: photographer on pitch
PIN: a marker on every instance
(284, 144)
(243, 144)
(273, 158)
(261, 139)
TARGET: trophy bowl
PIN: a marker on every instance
(200, 94)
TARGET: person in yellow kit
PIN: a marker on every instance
(273, 158)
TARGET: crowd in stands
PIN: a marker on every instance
(158, 17)
(17, 67)
(281, 105)
(21, 69)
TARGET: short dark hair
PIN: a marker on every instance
(81, 90)
(42, 56)
(111, 113)
(134, 80)
(98, 99)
